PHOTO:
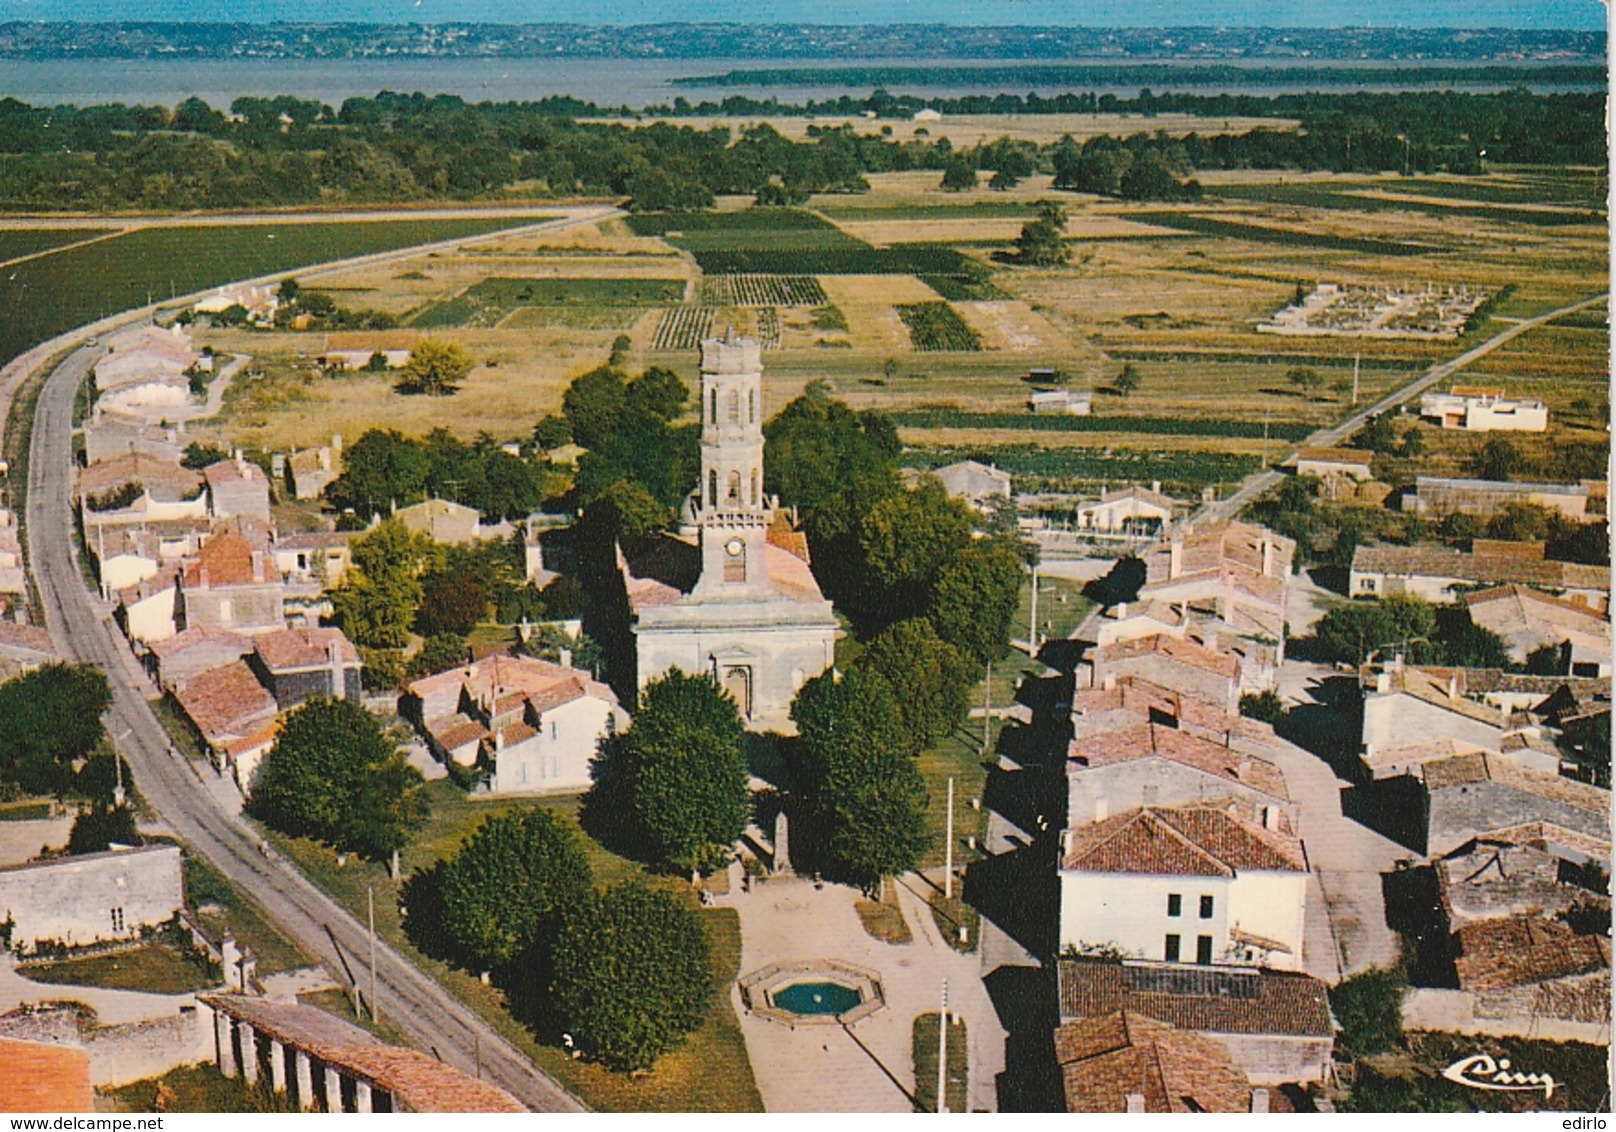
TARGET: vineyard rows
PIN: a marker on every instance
(936, 326)
(768, 327)
(683, 328)
(761, 291)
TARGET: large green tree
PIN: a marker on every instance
(333, 775)
(862, 785)
(50, 720)
(907, 540)
(677, 775)
(507, 885)
(436, 366)
(632, 975)
(975, 598)
(1041, 244)
(380, 594)
(1353, 631)
(934, 675)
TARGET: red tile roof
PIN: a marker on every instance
(419, 1082)
(1187, 841)
(1171, 648)
(41, 1077)
(1224, 1000)
(1480, 766)
(226, 701)
(228, 559)
(1520, 950)
(228, 471)
(1105, 1059)
(303, 648)
(1152, 740)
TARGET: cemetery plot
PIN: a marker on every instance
(1379, 312)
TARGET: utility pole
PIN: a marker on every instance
(987, 711)
(370, 901)
(1356, 358)
(1032, 630)
(942, 1053)
(948, 846)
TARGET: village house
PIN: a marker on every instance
(1181, 665)
(259, 300)
(174, 660)
(1234, 572)
(1127, 1062)
(23, 648)
(237, 488)
(225, 703)
(1438, 574)
(1184, 884)
(1155, 764)
(975, 483)
(1327, 463)
(314, 556)
(1473, 795)
(1132, 621)
(1403, 702)
(1131, 700)
(1437, 498)
(534, 725)
(232, 583)
(1275, 1025)
(311, 470)
(1508, 874)
(147, 365)
(123, 555)
(145, 610)
(136, 488)
(79, 900)
(303, 663)
(1476, 409)
(1533, 977)
(13, 576)
(1130, 511)
(441, 521)
(1527, 620)
(111, 434)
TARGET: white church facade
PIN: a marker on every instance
(732, 595)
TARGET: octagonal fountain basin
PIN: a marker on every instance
(826, 991)
(816, 998)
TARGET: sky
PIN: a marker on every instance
(1577, 14)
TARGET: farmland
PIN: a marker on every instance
(47, 296)
(905, 299)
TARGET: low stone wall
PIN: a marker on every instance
(1455, 1012)
(138, 1051)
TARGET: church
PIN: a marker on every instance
(732, 595)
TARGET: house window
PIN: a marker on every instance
(732, 405)
(712, 406)
(1175, 904)
(1203, 949)
(117, 919)
(1170, 949)
(552, 731)
(1206, 907)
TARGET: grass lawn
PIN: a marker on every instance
(219, 907)
(710, 1072)
(30, 810)
(959, 1070)
(192, 1088)
(161, 966)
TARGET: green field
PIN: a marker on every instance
(936, 327)
(1291, 237)
(1169, 426)
(16, 242)
(49, 296)
(575, 302)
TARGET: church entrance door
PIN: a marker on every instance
(737, 681)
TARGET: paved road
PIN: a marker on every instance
(1257, 484)
(82, 630)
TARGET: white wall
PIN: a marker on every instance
(1129, 912)
(1397, 719)
(557, 759)
(72, 900)
(1272, 905)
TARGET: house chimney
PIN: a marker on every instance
(1267, 555)
(1383, 683)
(1175, 558)
(258, 566)
(241, 463)
(499, 740)
(1270, 817)
(1243, 770)
(1122, 610)
(339, 687)
(1259, 1100)
(1155, 486)
(1453, 685)
(1136, 1102)
(566, 658)
(1108, 683)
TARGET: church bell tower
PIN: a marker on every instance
(732, 513)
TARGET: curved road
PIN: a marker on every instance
(1325, 438)
(411, 1001)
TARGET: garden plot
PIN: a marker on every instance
(935, 327)
(761, 291)
(683, 328)
(867, 300)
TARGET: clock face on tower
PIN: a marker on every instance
(734, 547)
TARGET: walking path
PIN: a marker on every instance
(868, 1066)
(112, 1007)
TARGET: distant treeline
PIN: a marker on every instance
(394, 147)
(1173, 75)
